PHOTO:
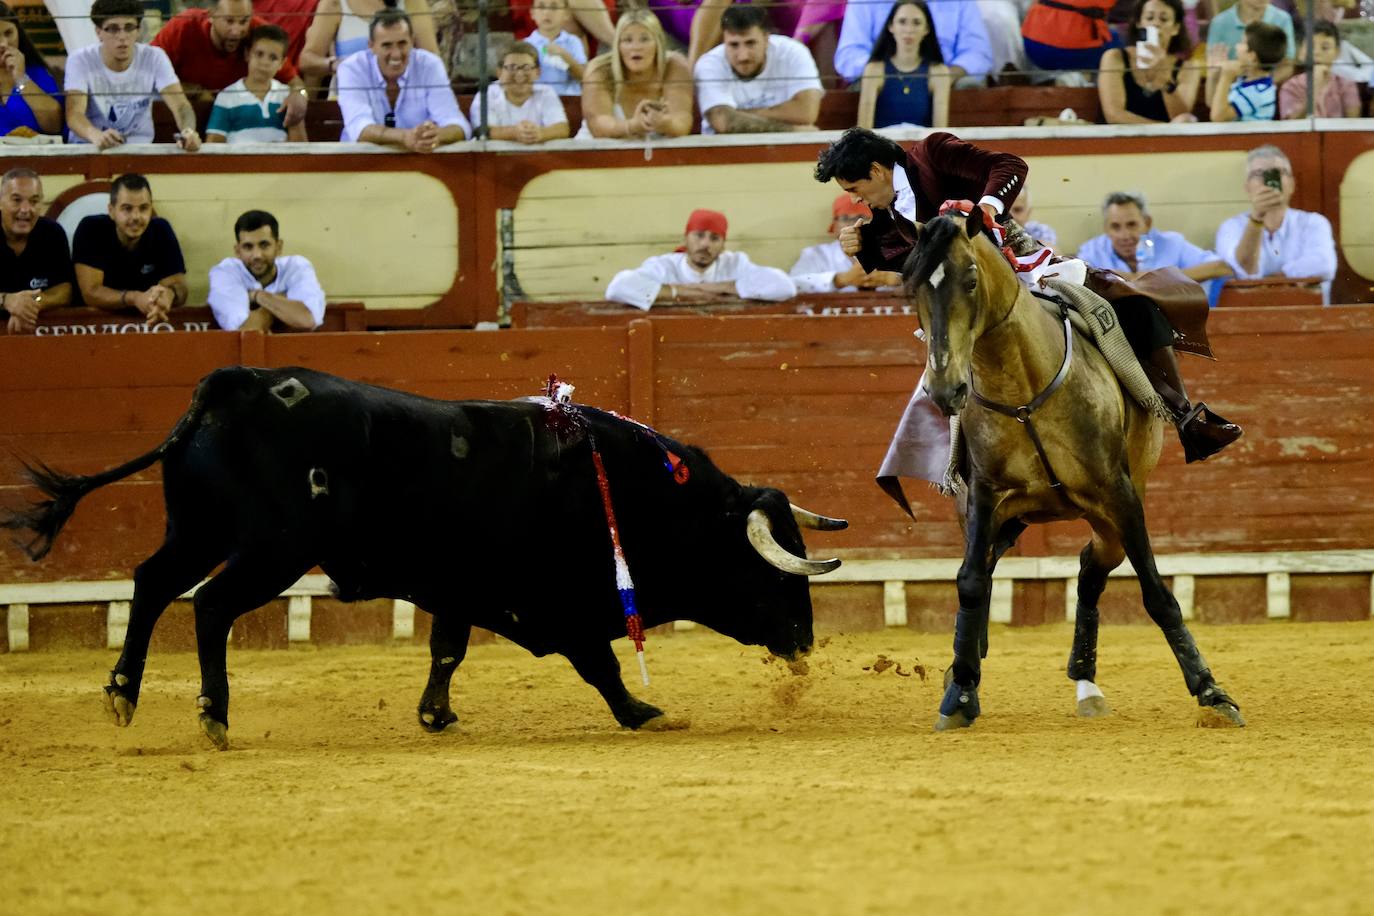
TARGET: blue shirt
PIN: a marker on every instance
(1227, 29)
(958, 28)
(556, 75)
(904, 98)
(1254, 100)
(425, 95)
(1171, 250)
(17, 113)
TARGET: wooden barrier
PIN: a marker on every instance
(338, 316)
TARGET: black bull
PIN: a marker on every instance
(482, 513)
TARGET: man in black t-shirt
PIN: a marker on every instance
(130, 259)
(35, 268)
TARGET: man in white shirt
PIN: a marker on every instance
(701, 271)
(260, 285)
(825, 268)
(396, 94)
(1272, 239)
(754, 82)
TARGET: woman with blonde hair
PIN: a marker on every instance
(641, 76)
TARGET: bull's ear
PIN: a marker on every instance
(974, 224)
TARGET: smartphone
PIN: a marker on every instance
(1143, 55)
(1273, 178)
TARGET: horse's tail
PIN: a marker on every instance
(47, 518)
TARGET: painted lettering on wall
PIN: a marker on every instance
(162, 327)
(842, 310)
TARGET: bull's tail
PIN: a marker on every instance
(47, 518)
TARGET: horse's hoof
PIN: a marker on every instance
(216, 731)
(435, 721)
(1222, 715)
(949, 723)
(1093, 707)
(662, 723)
(119, 707)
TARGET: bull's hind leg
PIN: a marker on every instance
(448, 644)
(959, 707)
(597, 664)
(1099, 557)
(1218, 708)
(247, 582)
(174, 569)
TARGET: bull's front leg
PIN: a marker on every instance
(448, 644)
(597, 664)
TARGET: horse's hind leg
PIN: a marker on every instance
(1099, 557)
(1218, 708)
(959, 707)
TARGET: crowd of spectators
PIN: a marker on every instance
(654, 69)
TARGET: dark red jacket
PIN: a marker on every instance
(939, 168)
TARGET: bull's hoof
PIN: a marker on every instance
(216, 731)
(958, 709)
(119, 707)
(1222, 715)
(436, 720)
(662, 723)
(1093, 707)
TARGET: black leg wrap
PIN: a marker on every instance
(1195, 671)
(1083, 658)
(968, 637)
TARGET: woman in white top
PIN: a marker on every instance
(340, 28)
(640, 76)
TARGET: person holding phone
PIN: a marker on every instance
(1272, 238)
(1150, 82)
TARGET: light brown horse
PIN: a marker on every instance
(998, 359)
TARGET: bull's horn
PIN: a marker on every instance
(808, 519)
(761, 536)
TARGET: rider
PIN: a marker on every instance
(904, 186)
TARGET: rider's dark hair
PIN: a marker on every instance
(851, 157)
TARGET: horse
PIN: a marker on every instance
(1050, 437)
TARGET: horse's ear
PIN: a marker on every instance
(974, 224)
(920, 227)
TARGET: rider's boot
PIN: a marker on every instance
(1202, 432)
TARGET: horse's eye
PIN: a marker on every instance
(971, 283)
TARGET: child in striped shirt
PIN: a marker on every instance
(250, 110)
(1246, 91)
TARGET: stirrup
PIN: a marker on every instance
(1204, 433)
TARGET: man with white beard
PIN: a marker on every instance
(370, 99)
(700, 271)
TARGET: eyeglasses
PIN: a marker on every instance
(519, 68)
(390, 119)
(121, 29)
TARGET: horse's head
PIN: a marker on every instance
(954, 279)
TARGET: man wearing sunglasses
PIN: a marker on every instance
(396, 94)
(110, 85)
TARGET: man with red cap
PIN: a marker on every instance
(699, 271)
(825, 268)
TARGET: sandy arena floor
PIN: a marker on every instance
(820, 794)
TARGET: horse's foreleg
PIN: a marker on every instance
(1163, 609)
(1099, 557)
(960, 707)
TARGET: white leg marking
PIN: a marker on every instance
(1087, 689)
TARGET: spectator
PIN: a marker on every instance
(206, 48)
(108, 98)
(958, 27)
(518, 108)
(705, 20)
(130, 258)
(1227, 28)
(341, 29)
(1021, 211)
(562, 56)
(1130, 245)
(374, 106)
(293, 16)
(1148, 82)
(252, 110)
(640, 76)
(754, 82)
(906, 81)
(30, 93)
(1271, 239)
(825, 268)
(904, 185)
(1245, 90)
(1067, 37)
(701, 271)
(1333, 96)
(35, 263)
(261, 285)
(588, 21)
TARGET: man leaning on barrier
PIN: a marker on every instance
(35, 267)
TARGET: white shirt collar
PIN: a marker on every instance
(905, 201)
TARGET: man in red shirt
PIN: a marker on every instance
(206, 49)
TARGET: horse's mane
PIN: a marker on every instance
(936, 237)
